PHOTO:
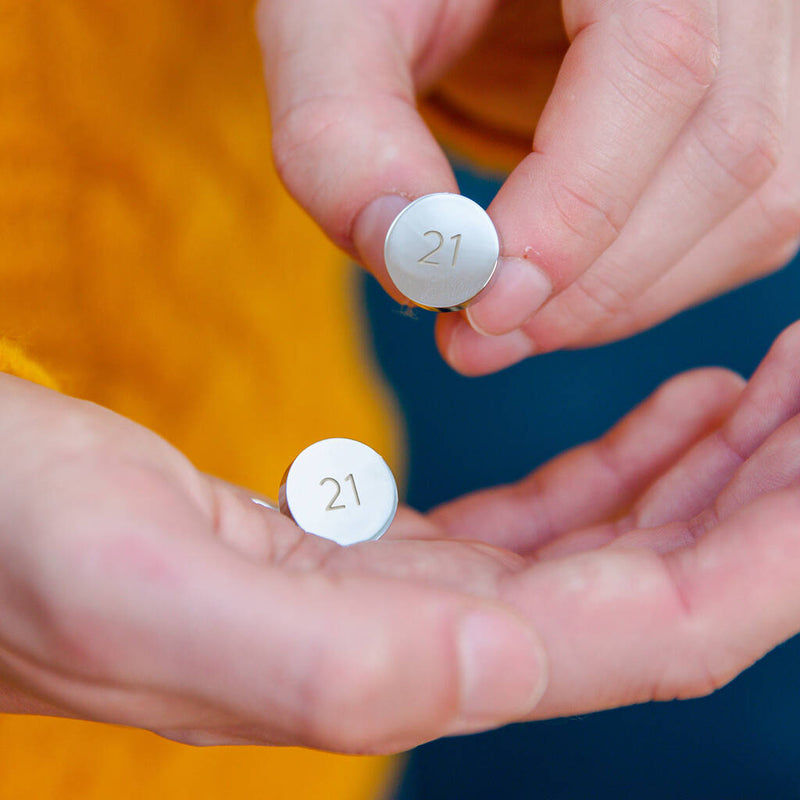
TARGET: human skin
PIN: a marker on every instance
(655, 563)
(665, 158)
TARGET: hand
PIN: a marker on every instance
(136, 590)
(657, 562)
(661, 560)
(665, 165)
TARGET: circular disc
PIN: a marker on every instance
(340, 489)
(441, 251)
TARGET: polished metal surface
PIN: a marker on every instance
(441, 251)
(265, 502)
(340, 489)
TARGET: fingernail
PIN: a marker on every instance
(475, 354)
(519, 289)
(502, 668)
(372, 225)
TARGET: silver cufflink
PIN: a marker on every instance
(341, 490)
(441, 251)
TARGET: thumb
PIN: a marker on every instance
(352, 661)
(348, 141)
(410, 670)
(365, 665)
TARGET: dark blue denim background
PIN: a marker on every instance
(466, 433)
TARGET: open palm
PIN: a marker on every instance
(657, 562)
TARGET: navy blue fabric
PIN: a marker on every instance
(466, 433)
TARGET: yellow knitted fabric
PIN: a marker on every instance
(151, 262)
(15, 362)
(486, 107)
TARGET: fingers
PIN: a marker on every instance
(702, 223)
(598, 480)
(733, 143)
(772, 396)
(775, 465)
(753, 452)
(633, 76)
(347, 138)
(767, 428)
(715, 476)
(759, 236)
(625, 626)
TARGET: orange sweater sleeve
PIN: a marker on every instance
(486, 108)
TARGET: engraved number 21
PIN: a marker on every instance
(331, 506)
(426, 259)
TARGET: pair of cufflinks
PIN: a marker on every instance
(441, 252)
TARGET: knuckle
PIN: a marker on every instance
(603, 300)
(303, 138)
(695, 676)
(702, 385)
(780, 206)
(711, 671)
(309, 136)
(588, 210)
(720, 662)
(86, 582)
(72, 628)
(775, 259)
(676, 40)
(582, 314)
(343, 695)
(349, 694)
(786, 348)
(745, 138)
(77, 429)
(787, 253)
(704, 663)
(296, 134)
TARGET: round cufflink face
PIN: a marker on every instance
(441, 251)
(340, 489)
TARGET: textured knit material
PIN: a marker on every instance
(150, 261)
